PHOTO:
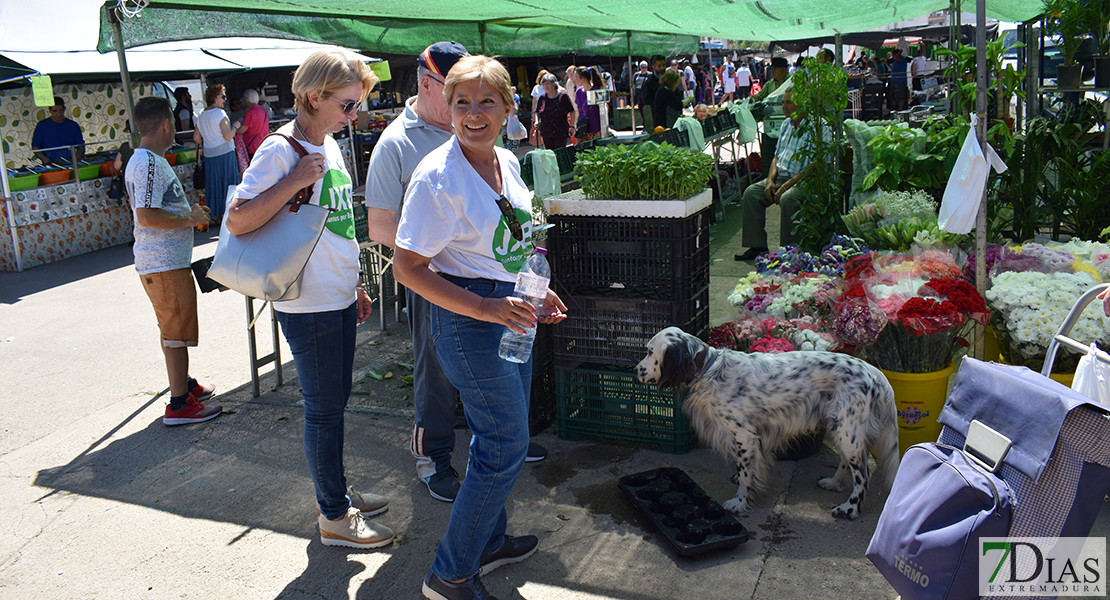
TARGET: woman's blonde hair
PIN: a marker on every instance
(326, 72)
(483, 68)
(669, 78)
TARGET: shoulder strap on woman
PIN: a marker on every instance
(304, 194)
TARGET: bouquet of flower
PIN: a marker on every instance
(791, 260)
(897, 220)
(1030, 306)
(773, 335)
(907, 314)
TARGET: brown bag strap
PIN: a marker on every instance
(305, 194)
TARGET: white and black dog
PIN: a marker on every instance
(747, 405)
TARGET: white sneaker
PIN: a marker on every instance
(354, 531)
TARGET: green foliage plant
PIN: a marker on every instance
(1005, 79)
(647, 171)
(1064, 19)
(821, 95)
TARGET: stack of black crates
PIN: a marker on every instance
(623, 280)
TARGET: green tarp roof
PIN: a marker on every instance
(527, 27)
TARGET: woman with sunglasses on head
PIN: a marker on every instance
(465, 231)
(320, 325)
(216, 136)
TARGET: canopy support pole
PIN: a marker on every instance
(981, 134)
(631, 85)
(6, 192)
(953, 42)
(125, 76)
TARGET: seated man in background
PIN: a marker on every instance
(781, 187)
(58, 131)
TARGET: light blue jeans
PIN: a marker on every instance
(494, 393)
(323, 347)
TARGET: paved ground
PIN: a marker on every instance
(102, 501)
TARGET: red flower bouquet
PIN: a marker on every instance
(901, 320)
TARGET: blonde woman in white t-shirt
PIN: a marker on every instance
(464, 232)
(320, 325)
(215, 135)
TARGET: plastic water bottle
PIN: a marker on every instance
(531, 285)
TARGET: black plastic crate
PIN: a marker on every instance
(565, 158)
(615, 329)
(541, 405)
(709, 126)
(609, 402)
(656, 258)
(726, 121)
(526, 174)
(362, 230)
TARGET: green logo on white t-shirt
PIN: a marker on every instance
(336, 192)
(509, 252)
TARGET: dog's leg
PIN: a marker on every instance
(836, 482)
(748, 457)
(853, 452)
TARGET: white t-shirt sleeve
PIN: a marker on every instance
(147, 182)
(428, 223)
(274, 159)
(384, 189)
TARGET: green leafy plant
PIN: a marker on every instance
(1064, 19)
(1005, 79)
(897, 220)
(1096, 20)
(902, 162)
(821, 95)
(647, 171)
(1085, 180)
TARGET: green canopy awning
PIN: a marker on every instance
(521, 29)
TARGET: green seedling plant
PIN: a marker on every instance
(647, 171)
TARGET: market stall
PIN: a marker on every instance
(54, 212)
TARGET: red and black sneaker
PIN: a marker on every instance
(192, 412)
(200, 392)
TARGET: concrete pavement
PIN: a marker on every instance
(103, 501)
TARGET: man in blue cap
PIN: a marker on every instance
(424, 125)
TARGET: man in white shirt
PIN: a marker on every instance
(917, 68)
(743, 81)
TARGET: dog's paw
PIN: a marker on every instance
(738, 507)
(846, 511)
(829, 483)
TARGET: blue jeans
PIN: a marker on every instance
(323, 347)
(495, 395)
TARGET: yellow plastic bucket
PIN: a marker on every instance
(919, 398)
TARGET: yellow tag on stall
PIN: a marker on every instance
(43, 90)
(381, 69)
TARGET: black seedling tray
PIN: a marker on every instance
(691, 521)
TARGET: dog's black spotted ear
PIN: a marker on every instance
(679, 365)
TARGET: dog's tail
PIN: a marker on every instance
(885, 423)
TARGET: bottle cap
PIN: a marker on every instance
(541, 251)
